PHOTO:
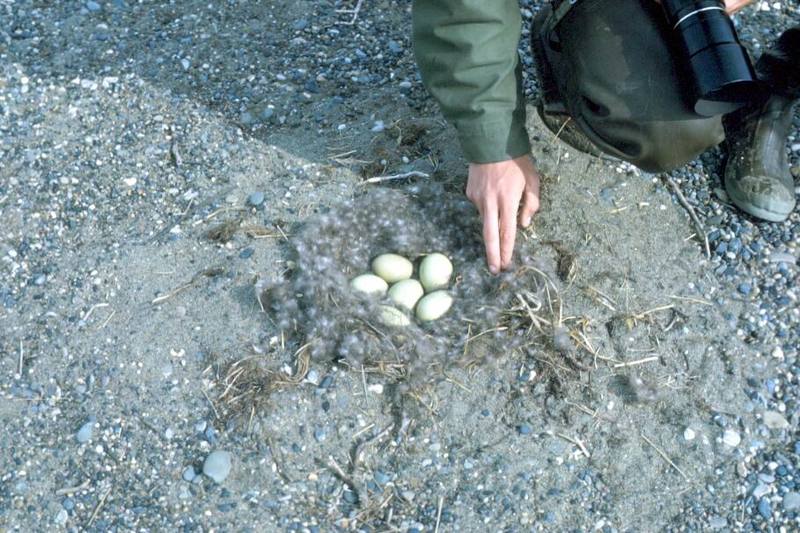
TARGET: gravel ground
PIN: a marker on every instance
(129, 129)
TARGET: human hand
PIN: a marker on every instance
(497, 189)
(732, 6)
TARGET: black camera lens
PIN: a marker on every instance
(719, 67)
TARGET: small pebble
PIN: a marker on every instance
(765, 508)
(775, 420)
(791, 501)
(217, 465)
(731, 438)
(717, 522)
(312, 377)
(188, 473)
(744, 288)
(85, 432)
(760, 490)
(256, 199)
(381, 478)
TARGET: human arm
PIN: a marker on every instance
(466, 51)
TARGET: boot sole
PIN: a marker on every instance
(759, 212)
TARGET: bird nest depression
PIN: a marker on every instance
(490, 317)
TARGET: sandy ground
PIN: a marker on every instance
(120, 315)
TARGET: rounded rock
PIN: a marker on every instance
(392, 267)
(791, 501)
(775, 420)
(188, 473)
(434, 305)
(390, 316)
(731, 438)
(406, 293)
(369, 284)
(256, 199)
(85, 432)
(435, 271)
(217, 465)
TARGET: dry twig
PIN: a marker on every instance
(354, 11)
(701, 230)
(665, 457)
(98, 507)
(208, 272)
(412, 174)
(576, 442)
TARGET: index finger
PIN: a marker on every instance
(508, 231)
(491, 237)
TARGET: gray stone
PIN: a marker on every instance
(765, 508)
(85, 432)
(395, 47)
(717, 522)
(256, 199)
(312, 377)
(775, 420)
(731, 438)
(791, 501)
(760, 490)
(217, 465)
(246, 118)
(766, 478)
(188, 473)
(93, 6)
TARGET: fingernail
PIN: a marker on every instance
(526, 222)
(493, 269)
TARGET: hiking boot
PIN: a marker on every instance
(757, 175)
(565, 129)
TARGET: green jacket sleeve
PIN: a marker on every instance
(466, 51)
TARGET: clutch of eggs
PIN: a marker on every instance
(426, 297)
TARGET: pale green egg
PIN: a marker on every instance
(390, 316)
(392, 267)
(435, 271)
(434, 305)
(369, 284)
(406, 293)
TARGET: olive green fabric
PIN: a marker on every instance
(466, 51)
(613, 68)
(621, 82)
